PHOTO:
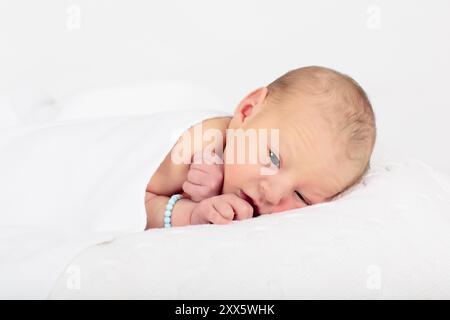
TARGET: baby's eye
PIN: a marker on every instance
(274, 158)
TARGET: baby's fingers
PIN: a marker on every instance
(197, 192)
(216, 217)
(224, 209)
(197, 177)
(242, 209)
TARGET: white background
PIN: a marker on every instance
(398, 50)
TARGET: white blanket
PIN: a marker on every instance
(65, 186)
(68, 186)
(387, 238)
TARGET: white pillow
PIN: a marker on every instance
(387, 238)
(139, 98)
(7, 116)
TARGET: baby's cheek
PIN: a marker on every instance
(287, 205)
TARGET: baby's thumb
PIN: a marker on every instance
(212, 158)
(198, 157)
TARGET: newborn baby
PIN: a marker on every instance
(322, 134)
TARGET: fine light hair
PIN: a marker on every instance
(340, 100)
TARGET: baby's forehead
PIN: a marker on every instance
(301, 103)
(297, 121)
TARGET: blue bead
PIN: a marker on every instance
(169, 207)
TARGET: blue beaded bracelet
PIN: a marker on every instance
(169, 207)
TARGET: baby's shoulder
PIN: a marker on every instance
(170, 175)
(201, 135)
(217, 123)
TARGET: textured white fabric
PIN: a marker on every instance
(139, 98)
(24, 106)
(70, 184)
(387, 237)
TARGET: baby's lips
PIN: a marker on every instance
(252, 211)
(255, 214)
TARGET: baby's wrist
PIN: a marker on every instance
(182, 212)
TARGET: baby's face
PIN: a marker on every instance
(305, 166)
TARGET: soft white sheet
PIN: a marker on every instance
(26, 106)
(61, 194)
(139, 98)
(70, 184)
(387, 238)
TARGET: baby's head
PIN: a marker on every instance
(326, 135)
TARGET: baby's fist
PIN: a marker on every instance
(221, 209)
(205, 177)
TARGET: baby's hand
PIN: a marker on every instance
(221, 209)
(205, 178)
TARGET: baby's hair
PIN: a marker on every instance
(346, 105)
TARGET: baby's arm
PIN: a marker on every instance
(156, 205)
(220, 209)
(166, 181)
(169, 179)
(210, 207)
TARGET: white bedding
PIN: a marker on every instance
(387, 238)
(70, 184)
(71, 214)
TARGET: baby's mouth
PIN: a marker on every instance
(247, 198)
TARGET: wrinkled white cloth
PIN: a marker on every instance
(67, 185)
(386, 238)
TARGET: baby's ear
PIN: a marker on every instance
(251, 103)
(247, 110)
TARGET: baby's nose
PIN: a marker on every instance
(271, 194)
